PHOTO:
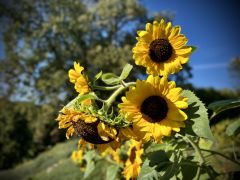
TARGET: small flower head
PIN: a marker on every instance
(80, 81)
(161, 49)
(133, 164)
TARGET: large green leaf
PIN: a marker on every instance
(172, 168)
(148, 172)
(188, 170)
(223, 105)
(197, 123)
(154, 163)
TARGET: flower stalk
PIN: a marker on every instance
(112, 98)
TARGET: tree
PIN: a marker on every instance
(234, 69)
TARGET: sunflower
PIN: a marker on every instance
(132, 166)
(79, 79)
(88, 127)
(154, 107)
(161, 48)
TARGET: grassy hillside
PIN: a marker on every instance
(54, 164)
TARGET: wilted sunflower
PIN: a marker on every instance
(161, 48)
(88, 127)
(79, 79)
(154, 106)
(133, 164)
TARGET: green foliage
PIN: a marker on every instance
(220, 106)
(89, 156)
(197, 123)
(194, 48)
(233, 128)
(112, 79)
(126, 71)
(112, 172)
(174, 159)
(54, 164)
(25, 130)
(227, 146)
(15, 134)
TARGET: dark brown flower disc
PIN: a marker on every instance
(132, 156)
(160, 50)
(88, 131)
(155, 107)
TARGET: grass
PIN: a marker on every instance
(54, 164)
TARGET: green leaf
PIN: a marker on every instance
(89, 157)
(233, 128)
(113, 79)
(148, 172)
(194, 48)
(154, 163)
(76, 102)
(112, 172)
(84, 97)
(185, 172)
(126, 71)
(98, 75)
(110, 78)
(220, 106)
(172, 169)
(100, 170)
(197, 123)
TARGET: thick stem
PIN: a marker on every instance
(112, 98)
(108, 88)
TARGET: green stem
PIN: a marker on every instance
(195, 147)
(220, 154)
(108, 88)
(112, 98)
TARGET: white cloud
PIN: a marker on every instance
(210, 66)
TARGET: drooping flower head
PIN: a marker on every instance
(161, 48)
(154, 107)
(80, 81)
(133, 164)
(88, 127)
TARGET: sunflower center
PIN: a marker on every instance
(160, 50)
(155, 107)
(132, 155)
(88, 131)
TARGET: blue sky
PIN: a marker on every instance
(211, 25)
